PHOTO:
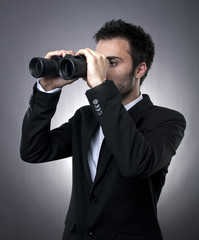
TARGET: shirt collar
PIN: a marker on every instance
(131, 104)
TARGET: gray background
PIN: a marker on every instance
(34, 198)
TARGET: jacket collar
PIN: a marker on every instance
(141, 106)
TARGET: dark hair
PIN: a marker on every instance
(141, 44)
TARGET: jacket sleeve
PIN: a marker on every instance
(138, 154)
(38, 142)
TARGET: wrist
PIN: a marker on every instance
(97, 82)
(46, 84)
(40, 88)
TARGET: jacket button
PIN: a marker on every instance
(97, 106)
(91, 236)
(95, 101)
(99, 113)
(98, 109)
(94, 200)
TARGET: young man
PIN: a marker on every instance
(121, 143)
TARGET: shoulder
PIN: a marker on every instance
(154, 116)
(159, 112)
(165, 113)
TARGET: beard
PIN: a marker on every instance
(125, 83)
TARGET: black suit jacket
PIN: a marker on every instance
(136, 153)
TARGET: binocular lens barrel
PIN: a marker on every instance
(42, 67)
(69, 67)
(36, 67)
(66, 69)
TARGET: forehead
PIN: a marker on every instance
(113, 47)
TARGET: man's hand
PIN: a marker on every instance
(50, 83)
(97, 66)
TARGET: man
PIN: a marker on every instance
(121, 143)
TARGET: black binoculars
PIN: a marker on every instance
(68, 67)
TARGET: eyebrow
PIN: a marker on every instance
(113, 58)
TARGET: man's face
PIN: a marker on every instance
(117, 51)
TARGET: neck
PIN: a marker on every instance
(131, 96)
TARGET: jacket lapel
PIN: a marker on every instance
(141, 106)
(104, 159)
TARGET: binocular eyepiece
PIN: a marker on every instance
(68, 67)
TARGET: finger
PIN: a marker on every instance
(93, 55)
(64, 52)
(60, 53)
(50, 54)
(98, 57)
(86, 52)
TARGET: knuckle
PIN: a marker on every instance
(94, 60)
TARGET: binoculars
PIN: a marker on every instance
(68, 67)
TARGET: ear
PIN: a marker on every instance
(140, 70)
